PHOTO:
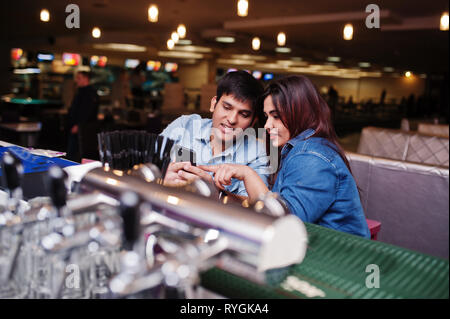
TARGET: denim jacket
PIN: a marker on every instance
(317, 186)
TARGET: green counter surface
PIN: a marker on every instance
(337, 266)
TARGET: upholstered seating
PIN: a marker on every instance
(430, 150)
(411, 200)
(404, 146)
(433, 129)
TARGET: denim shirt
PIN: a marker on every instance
(318, 187)
(194, 132)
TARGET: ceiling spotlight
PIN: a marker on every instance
(170, 44)
(225, 39)
(364, 64)
(242, 7)
(181, 55)
(120, 47)
(256, 43)
(334, 59)
(444, 22)
(281, 39)
(282, 50)
(408, 74)
(249, 57)
(175, 37)
(348, 31)
(45, 16)
(181, 30)
(96, 33)
(184, 42)
(153, 13)
(192, 48)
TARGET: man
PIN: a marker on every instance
(222, 139)
(84, 109)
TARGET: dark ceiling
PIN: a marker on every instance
(409, 37)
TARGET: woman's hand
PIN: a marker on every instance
(223, 173)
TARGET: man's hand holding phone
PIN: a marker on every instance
(172, 178)
(182, 173)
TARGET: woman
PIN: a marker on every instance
(314, 176)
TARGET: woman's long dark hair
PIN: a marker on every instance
(301, 107)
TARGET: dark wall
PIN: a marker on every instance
(4, 49)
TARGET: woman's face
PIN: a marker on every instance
(279, 134)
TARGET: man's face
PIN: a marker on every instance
(81, 80)
(230, 117)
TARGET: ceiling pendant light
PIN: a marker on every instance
(96, 32)
(444, 22)
(242, 8)
(348, 31)
(175, 37)
(256, 43)
(45, 15)
(153, 13)
(281, 39)
(181, 30)
(170, 44)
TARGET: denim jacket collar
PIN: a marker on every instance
(294, 141)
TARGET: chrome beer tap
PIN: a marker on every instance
(68, 242)
(10, 238)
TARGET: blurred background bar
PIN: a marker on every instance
(377, 73)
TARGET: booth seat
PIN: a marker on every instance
(441, 130)
(404, 146)
(410, 200)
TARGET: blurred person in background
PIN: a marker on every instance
(382, 97)
(137, 80)
(333, 98)
(84, 109)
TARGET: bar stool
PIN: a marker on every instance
(374, 227)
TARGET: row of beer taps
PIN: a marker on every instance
(123, 234)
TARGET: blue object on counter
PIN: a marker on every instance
(34, 163)
(35, 169)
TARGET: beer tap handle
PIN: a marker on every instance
(56, 186)
(12, 169)
(129, 209)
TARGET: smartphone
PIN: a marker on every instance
(184, 154)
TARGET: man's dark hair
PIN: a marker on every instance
(242, 86)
